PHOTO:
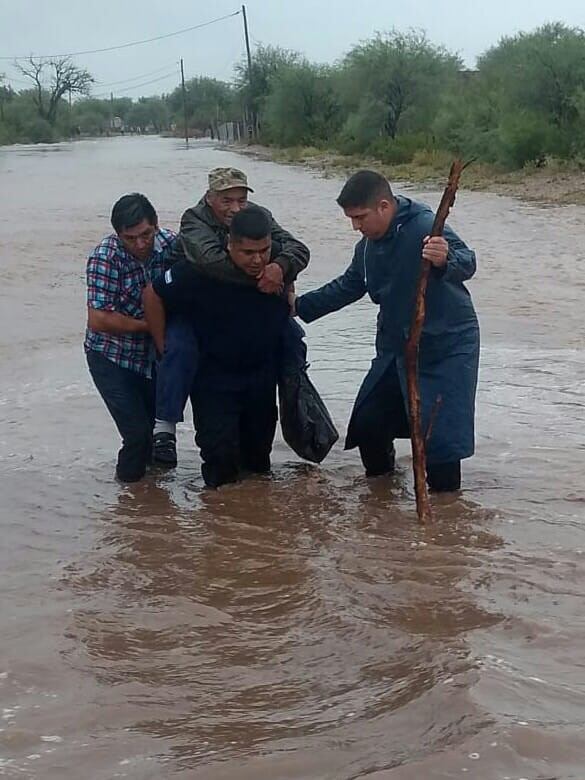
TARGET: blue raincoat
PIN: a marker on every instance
(388, 270)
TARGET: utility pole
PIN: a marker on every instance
(247, 44)
(253, 118)
(184, 104)
(70, 116)
(111, 112)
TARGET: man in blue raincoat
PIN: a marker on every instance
(386, 265)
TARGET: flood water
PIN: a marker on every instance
(303, 627)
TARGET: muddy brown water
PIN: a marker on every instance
(305, 626)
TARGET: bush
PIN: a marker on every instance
(37, 131)
(360, 129)
(433, 158)
(401, 149)
(524, 138)
(6, 136)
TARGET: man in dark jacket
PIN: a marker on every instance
(203, 237)
(239, 331)
(386, 265)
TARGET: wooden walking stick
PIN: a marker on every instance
(423, 505)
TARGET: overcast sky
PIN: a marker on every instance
(323, 31)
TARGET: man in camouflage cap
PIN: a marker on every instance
(221, 179)
(205, 227)
(204, 237)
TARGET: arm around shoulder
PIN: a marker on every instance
(203, 247)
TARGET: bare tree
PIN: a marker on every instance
(64, 77)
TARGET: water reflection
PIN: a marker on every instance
(282, 615)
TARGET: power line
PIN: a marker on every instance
(133, 78)
(139, 86)
(152, 81)
(127, 45)
(107, 83)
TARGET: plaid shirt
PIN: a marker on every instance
(115, 280)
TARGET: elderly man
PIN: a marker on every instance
(204, 237)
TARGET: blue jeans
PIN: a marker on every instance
(129, 397)
(176, 369)
(178, 366)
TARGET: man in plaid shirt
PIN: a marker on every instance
(118, 346)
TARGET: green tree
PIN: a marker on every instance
(209, 101)
(301, 106)
(6, 95)
(120, 106)
(523, 103)
(541, 71)
(92, 115)
(267, 61)
(467, 119)
(401, 76)
(148, 113)
(23, 123)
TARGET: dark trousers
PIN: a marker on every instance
(380, 419)
(235, 423)
(129, 397)
(176, 370)
(178, 366)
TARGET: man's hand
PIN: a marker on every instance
(271, 280)
(435, 250)
(101, 321)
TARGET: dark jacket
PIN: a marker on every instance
(204, 242)
(238, 329)
(388, 270)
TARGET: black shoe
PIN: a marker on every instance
(165, 449)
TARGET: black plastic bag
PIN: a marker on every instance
(306, 424)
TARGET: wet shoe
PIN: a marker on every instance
(165, 449)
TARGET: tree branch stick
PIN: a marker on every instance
(423, 505)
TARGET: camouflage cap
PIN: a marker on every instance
(226, 179)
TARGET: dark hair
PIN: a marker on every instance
(251, 222)
(364, 188)
(131, 210)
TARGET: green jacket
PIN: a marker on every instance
(204, 243)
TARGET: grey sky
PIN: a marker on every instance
(323, 31)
